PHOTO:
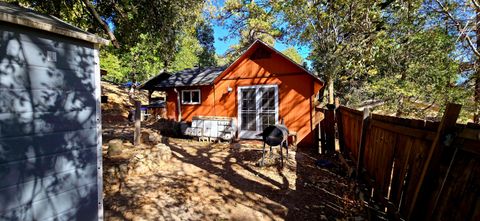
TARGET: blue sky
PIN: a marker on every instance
(222, 46)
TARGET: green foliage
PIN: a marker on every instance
(149, 31)
(113, 65)
(417, 71)
(248, 21)
(378, 51)
(204, 33)
(71, 11)
(293, 54)
(187, 55)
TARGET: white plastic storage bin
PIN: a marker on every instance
(212, 128)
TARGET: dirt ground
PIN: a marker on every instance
(211, 181)
(206, 181)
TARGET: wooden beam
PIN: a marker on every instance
(330, 128)
(403, 130)
(137, 136)
(447, 125)
(341, 137)
(363, 136)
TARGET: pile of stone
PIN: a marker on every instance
(140, 159)
(149, 160)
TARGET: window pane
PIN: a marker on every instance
(268, 99)
(186, 97)
(196, 96)
(267, 120)
(248, 99)
(249, 121)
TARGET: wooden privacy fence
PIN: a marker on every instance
(416, 169)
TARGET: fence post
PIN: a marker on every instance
(322, 131)
(363, 136)
(330, 128)
(426, 183)
(137, 136)
(341, 139)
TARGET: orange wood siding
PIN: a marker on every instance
(296, 88)
(205, 108)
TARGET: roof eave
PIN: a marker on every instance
(177, 86)
(14, 19)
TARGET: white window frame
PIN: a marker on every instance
(252, 134)
(190, 91)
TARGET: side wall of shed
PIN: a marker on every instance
(49, 127)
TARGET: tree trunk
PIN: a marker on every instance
(476, 98)
(476, 77)
(331, 99)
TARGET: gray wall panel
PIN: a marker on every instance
(78, 204)
(20, 148)
(24, 101)
(40, 189)
(22, 171)
(48, 126)
(17, 76)
(22, 124)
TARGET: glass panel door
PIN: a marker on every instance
(248, 109)
(267, 109)
(258, 109)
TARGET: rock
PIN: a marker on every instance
(141, 169)
(164, 152)
(123, 169)
(115, 147)
(154, 137)
(236, 146)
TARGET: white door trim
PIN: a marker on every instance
(252, 134)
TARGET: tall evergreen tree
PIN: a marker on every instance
(248, 21)
(204, 32)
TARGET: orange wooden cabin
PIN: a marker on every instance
(260, 88)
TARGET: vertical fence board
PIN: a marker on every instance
(402, 154)
(363, 137)
(461, 192)
(425, 192)
(397, 151)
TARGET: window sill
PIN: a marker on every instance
(190, 104)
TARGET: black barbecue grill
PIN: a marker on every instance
(276, 135)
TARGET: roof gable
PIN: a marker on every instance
(261, 50)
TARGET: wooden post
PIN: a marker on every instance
(137, 136)
(322, 131)
(341, 138)
(426, 183)
(363, 136)
(330, 128)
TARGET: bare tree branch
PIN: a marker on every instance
(459, 28)
(476, 4)
(104, 25)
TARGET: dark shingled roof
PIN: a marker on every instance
(191, 77)
(23, 16)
